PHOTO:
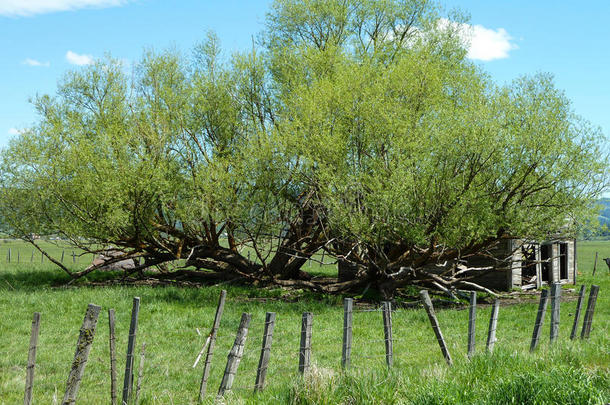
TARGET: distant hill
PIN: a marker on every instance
(604, 215)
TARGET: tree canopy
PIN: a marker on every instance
(357, 127)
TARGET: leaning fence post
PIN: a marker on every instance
(346, 352)
(586, 327)
(539, 319)
(594, 264)
(83, 347)
(493, 323)
(305, 347)
(581, 299)
(112, 340)
(387, 333)
(435, 326)
(235, 355)
(472, 317)
(263, 362)
(131, 344)
(29, 372)
(210, 353)
(555, 308)
(62, 256)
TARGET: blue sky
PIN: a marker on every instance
(42, 39)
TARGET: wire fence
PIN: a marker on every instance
(371, 338)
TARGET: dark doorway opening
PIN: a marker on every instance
(563, 261)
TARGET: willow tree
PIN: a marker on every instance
(356, 127)
(416, 157)
(174, 162)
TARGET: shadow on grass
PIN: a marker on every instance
(245, 296)
(31, 278)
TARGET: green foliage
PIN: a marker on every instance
(410, 145)
(352, 124)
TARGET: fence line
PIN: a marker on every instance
(261, 359)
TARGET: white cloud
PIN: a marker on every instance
(13, 131)
(484, 44)
(26, 8)
(78, 59)
(488, 44)
(34, 62)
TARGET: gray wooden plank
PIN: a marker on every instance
(346, 349)
(131, 344)
(83, 347)
(112, 343)
(235, 355)
(586, 327)
(387, 333)
(435, 326)
(305, 345)
(555, 310)
(263, 362)
(29, 373)
(493, 324)
(581, 299)
(544, 299)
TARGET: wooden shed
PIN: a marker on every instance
(528, 264)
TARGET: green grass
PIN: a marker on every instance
(569, 372)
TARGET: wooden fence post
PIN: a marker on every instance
(73, 257)
(346, 352)
(555, 308)
(586, 327)
(387, 333)
(112, 340)
(581, 299)
(235, 355)
(83, 347)
(544, 299)
(493, 324)
(131, 344)
(594, 264)
(18, 257)
(29, 372)
(62, 255)
(435, 326)
(32, 258)
(140, 374)
(305, 347)
(263, 362)
(472, 317)
(210, 353)
(8, 258)
(41, 258)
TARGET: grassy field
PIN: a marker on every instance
(569, 372)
